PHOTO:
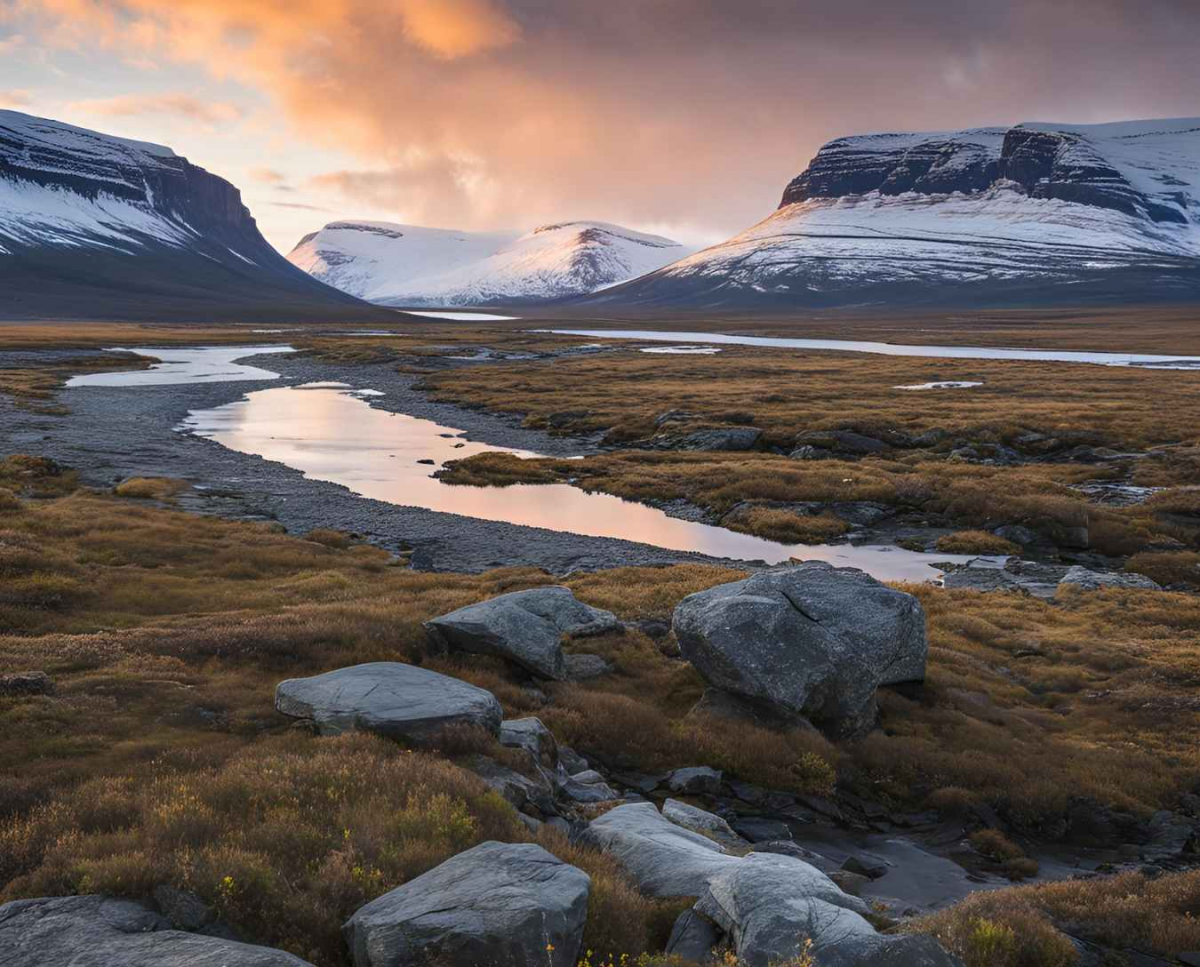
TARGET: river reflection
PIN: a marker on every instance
(329, 432)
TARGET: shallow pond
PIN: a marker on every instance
(1149, 361)
(329, 432)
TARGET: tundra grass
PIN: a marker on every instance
(159, 759)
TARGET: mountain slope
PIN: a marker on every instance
(1035, 214)
(402, 265)
(95, 226)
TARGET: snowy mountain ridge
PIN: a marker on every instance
(1033, 213)
(93, 225)
(399, 265)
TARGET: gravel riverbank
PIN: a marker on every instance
(112, 434)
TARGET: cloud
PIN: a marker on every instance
(11, 43)
(299, 205)
(211, 113)
(15, 98)
(499, 113)
(267, 176)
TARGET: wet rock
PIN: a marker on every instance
(501, 904)
(852, 883)
(809, 641)
(54, 931)
(25, 683)
(703, 822)
(694, 779)
(391, 699)
(871, 871)
(524, 627)
(1038, 580)
(693, 938)
(722, 439)
(842, 442)
(532, 736)
(579, 668)
(664, 860)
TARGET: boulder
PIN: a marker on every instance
(663, 859)
(703, 822)
(810, 641)
(399, 701)
(532, 736)
(25, 683)
(579, 668)
(1088, 580)
(500, 904)
(518, 790)
(767, 904)
(725, 438)
(694, 779)
(842, 442)
(693, 938)
(760, 829)
(97, 930)
(524, 627)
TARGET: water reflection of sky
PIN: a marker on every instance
(331, 433)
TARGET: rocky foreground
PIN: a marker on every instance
(803, 647)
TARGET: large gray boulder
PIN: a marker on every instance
(524, 627)
(499, 904)
(768, 904)
(399, 701)
(663, 859)
(97, 931)
(810, 641)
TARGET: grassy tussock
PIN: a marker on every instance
(975, 542)
(1020, 927)
(151, 488)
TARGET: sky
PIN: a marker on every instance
(682, 117)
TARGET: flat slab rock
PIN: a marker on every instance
(97, 931)
(1041, 580)
(811, 641)
(524, 627)
(500, 904)
(392, 699)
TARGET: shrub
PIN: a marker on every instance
(329, 538)
(995, 845)
(998, 929)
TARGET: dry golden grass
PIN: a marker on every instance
(1024, 926)
(151, 488)
(167, 633)
(789, 392)
(1040, 496)
(975, 542)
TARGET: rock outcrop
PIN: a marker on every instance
(98, 930)
(500, 904)
(524, 627)
(399, 701)
(811, 641)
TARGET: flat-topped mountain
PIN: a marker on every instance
(405, 265)
(1033, 214)
(95, 226)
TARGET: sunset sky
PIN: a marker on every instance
(685, 117)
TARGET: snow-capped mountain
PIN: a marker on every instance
(369, 259)
(95, 226)
(1032, 214)
(402, 265)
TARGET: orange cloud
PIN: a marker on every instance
(15, 98)
(182, 105)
